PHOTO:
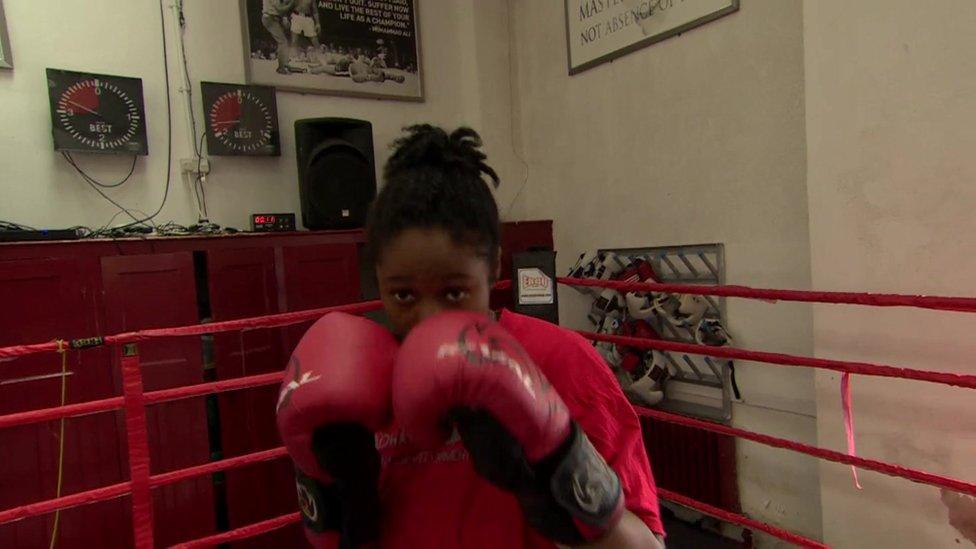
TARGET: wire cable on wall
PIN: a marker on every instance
(169, 121)
(169, 126)
(97, 187)
(181, 19)
(512, 75)
(200, 179)
(146, 220)
(74, 164)
(201, 195)
(13, 226)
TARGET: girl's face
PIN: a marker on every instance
(423, 271)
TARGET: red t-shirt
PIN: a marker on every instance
(436, 500)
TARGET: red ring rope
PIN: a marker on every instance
(115, 403)
(135, 398)
(58, 412)
(957, 304)
(72, 500)
(243, 532)
(216, 466)
(137, 444)
(735, 518)
(864, 368)
(822, 453)
(272, 524)
(267, 321)
(152, 397)
(123, 488)
(189, 391)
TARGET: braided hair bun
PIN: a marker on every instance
(437, 180)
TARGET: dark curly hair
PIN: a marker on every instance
(436, 180)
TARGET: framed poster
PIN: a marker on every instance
(367, 48)
(598, 31)
(6, 58)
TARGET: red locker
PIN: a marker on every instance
(46, 299)
(156, 291)
(242, 283)
(79, 289)
(318, 275)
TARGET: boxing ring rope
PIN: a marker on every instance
(736, 518)
(939, 303)
(243, 532)
(134, 400)
(778, 359)
(889, 469)
(243, 324)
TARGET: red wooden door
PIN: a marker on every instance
(155, 291)
(242, 284)
(320, 275)
(46, 299)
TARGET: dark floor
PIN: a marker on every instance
(682, 535)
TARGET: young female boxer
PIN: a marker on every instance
(547, 451)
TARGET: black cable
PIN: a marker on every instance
(13, 226)
(202, 194)
(74, 164)
(511, 108)
(94, 184)
(186, 75)
(135, 220)
(83, 231)
(169, 125)
(198, 188)
(107, 228)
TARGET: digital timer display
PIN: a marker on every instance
(272, 222)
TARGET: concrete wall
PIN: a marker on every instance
(697, 139)
(891, 92)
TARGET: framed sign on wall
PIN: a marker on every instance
(598, 31)
(6, 59)
(340, 47)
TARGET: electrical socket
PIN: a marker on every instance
(189, 165)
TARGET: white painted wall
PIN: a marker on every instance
(123, 37)
(697, 139)
(891, 97)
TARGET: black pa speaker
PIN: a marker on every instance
(336, 172)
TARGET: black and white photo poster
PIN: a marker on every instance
(598, 31)
(6, 60)
(345, 47)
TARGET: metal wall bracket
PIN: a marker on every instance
(699, 386)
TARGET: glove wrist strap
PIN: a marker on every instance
(587, 487)
(581, 498)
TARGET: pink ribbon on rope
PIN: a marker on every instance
(845, 397)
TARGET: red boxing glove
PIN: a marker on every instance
(336, 392)
(460, 368)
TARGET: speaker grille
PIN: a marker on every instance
(336, 172)
(340, 187)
